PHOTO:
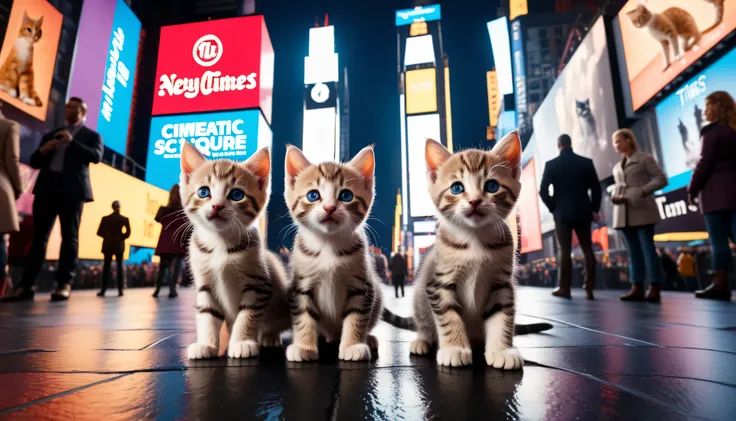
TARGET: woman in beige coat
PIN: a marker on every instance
(635, 213)
(10, 186)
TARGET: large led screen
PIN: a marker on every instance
(418, 14)
(421, 91)
(104, 69)
(319, 140)
(419, 129)
(232, 135)
(680, 118)
(215, 65)
(646, 57)
(528, 205)
(28, 56)
(498, 30)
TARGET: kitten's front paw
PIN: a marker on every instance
(505, 359)
(13, 93)
(298, 354)
(28, 100)
(201, 351)
(454, 356)
(243, 349)
(419, 347)
(357, 352)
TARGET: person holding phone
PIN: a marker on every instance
(62, 188)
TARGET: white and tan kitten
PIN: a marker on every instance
(465, 288)
(335, 293)
(238, 280)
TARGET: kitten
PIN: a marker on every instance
(698, 117)
(335, 293)
(719, 9)
(589, 127)
(238, 281)
(465, 288)
(670, 28)
(16, 74)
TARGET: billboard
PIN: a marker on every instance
(419, 50)
(680, 118)
(677, 214)
(421, 91)
(104, 68)
(28, 56)
(322, 63)
(418, 14)
(517, 50)
(419, 129)
(498, 30)
(517, 8)
(214, 65)
(528, 206)
(231, 134)
(647, 60)
(494, 101)
(319, 141)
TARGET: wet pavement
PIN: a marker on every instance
(124, 359)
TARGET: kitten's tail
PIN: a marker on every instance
(407, 323)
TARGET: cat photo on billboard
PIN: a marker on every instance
(16, 73)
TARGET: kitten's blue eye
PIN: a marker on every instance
(492, 186)
(236, 195)
(457, 188)
(313, 196)
(346, 196)
(203, 192)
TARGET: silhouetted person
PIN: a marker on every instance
(62, 188)
(10, 188)
(399, 270)
(572, 177)
(113, 244)
(171, 242)
(380, 263)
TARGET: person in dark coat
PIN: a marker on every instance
(172, 242)
(713, 182)
(572, 176)
(399, 271)
(113, 244)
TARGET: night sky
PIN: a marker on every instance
(366, 42)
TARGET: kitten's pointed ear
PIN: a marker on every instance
(191, 159)
(509, 148)
(26, 18)
(435, 154)
(39, 22)
(296, 162)
(365, 162)
(260, 165)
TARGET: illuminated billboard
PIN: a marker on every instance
(104, 68)
(498, 31)
(421, 91)
(419, 50)
(517, 8)
(28, 56)
(319, 134)
(419, 129)
(680, 118)
(650, 64)
(517, 51)
(322, 63)
(494, 101)
(528, 206)
(231, 134)
(215, 65)
(418, 14)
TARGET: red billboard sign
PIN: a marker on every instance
(214, 65)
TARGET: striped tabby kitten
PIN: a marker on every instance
(335, 292)
(465, 291)
(238, 281)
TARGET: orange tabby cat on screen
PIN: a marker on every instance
(16, 74)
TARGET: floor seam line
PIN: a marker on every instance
(592, 330)
(158, 341)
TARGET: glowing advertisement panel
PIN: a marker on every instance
(494, 101)
(214, 65)
(319, 139)
(419, 50)
(646, 59)
(232, 135)
(528, 206)
(418, 14)
(680, 118)
(419, 129)
(32, 36)
(421, 91)
(498, 30)
(517, 8)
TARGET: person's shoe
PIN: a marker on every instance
(562, 292)
(62, 293)
(155, 294)
(173, 294)
(100, 294)
(120, 293)
(712, 292)
(653, 295)
(589, 294)
(636, 294)
(20, 295)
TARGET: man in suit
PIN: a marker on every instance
(11, 187)
(571, 177)
(62, 188)
(399, 270)
(113, 244)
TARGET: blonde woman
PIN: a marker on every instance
(713, 181)
(635, 213)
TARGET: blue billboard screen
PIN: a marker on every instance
(231, 135)
(680, 118)
(117, 85)
(418, 14)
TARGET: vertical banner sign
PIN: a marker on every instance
(517, 52)
(517, 8)
(494, 102)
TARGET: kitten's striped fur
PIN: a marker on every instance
(465, 290)
(335, 293)
(238, 280)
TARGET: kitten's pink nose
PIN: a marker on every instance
(217, 208)
(474, 203)
(330, 209)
